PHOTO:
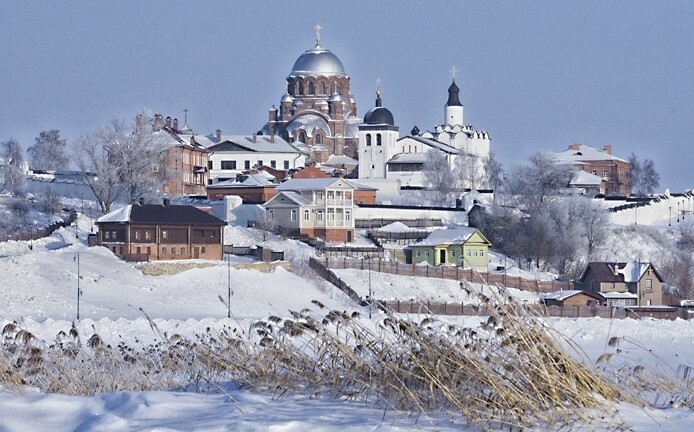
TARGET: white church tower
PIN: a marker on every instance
(378, 137)
(453, 114)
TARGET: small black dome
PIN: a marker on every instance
(415, 131)
(379, 115)
(453, 99)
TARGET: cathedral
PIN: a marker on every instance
(317, 108)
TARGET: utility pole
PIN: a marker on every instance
(228, 286)
(77, 258)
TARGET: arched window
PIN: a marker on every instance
(319, 139)
(333, 86)
(301, 88)
(378, 139)
(301, 136)
(321, 88)
(311, 88)
(368, 139)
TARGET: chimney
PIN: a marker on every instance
(168, 122)
(608, 149)
(255, 138)
(175, 125)
(272, 138)
(166, 202)
(158, 122)
(219, 135)
(575, 146)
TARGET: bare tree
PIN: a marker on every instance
(438, 177)
(48, 153)
(118, 162)
(12, 167)
(494, 172)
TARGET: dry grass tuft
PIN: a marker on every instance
(510, 371)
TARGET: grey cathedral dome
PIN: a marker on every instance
(318, 61)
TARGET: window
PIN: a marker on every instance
(453, 253)
(378, 139)
(209, 164)
(149, 250)
(293, 215)
(426, 253)
(649, 284)
(148, 235)
(183, 251)
(301, 88)
(301, 137)
(469, 253)
(228, 165)
(164, 234)
(272, 214)
(173, 251)
(348, 215)
(260, 163)
(417, 253)
(311, 88)
(605, 174)
(202, 249)
(319, 139)
(307, 215)
(163, 251)
(107, 235)
(320, 195)
(482, 253)
(286, 165)
(138, 234)
(273, 164)
(247, 164)
(368, 139)
(320, 215)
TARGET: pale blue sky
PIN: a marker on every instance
(537, 75)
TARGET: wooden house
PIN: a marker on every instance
(623, 284)
(465, 247)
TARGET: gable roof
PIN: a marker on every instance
(431, 143)
(262, 144)
(565, 294)
(161, 214)
(451, 236)
(580, 154)
(619, 272)
(288, 199)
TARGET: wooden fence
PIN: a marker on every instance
(445, 272)
(30, 233)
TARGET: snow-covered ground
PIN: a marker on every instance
(39, 292)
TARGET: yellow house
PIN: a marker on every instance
(465, 247)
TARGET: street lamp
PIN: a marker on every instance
(678, 211)
(79, 291)
(669, 221)
(31, 236)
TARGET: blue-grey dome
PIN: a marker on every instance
(379, 115)
(317, 61)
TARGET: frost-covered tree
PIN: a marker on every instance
(438, 177)
(117, 161)
(12, 167)
(540, 178)
(48, 153)
(494, 172)
(643, 176)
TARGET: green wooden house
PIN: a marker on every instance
(464, 247)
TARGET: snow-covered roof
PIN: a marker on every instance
(633, 271)
(408, 158)
(257, 143)
(431, 143)
(618, 295)
(583, 153)
(447, 236)
(396, 227)
(292, 197)
(119, 215)
(341, 160)
(581, 178)
(317, 184)
(561, 295)
(250, 180)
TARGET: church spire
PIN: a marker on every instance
(378, 92)
(318, 28)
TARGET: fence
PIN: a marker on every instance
(446, 272)
(31, 233)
